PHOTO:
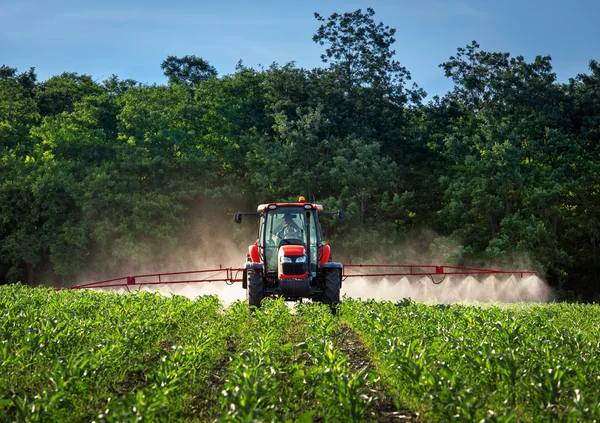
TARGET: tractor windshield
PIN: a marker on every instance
(288, 225)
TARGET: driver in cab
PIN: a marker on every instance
(290, 229)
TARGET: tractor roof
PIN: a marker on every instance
(274, 206)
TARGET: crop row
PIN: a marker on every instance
(82, 356)
(94, 356)
(338, 392)
(254, 378)
(468, 363)
(288, 369)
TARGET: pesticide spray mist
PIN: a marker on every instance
(213, 240)
(452, 289)
(210, 240)
(226, 293)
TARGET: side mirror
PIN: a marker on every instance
(238, 218)
(341, 216)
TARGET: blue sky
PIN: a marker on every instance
(132, 38)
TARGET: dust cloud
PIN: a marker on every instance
(211, 240)
(209, 244)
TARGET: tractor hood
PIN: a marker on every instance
(292, 262)
(292, 250)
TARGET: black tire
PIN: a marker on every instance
(255, 292)
(333, 283)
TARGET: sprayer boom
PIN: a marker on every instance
(231, 275)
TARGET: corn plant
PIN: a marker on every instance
(80, 355)
(497, 363)
(93, 356)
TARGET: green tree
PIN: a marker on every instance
(60, 93)
(359, 49)
(364, 95)
(296, 161)
(19, 249)
(187, 70)
(18, 110)
(580, 234)
(510, 156)
(365, 186)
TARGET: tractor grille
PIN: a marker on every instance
(291, 269)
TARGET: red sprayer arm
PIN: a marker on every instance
(231, 275)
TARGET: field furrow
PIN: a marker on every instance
(339, 391)
(383, 408)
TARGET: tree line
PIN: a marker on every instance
(503, 169)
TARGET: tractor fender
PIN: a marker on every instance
(249, 265)
(253, 252)
(325, 253)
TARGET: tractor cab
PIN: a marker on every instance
(290, 257)
(290, 236)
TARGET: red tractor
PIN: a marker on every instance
(290, 259)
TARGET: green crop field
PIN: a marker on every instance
(80, 356)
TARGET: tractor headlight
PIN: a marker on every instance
(284, 259)
(301, 259)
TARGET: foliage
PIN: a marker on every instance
(468, 363)
(340, 393)
(100, 176)
(359, 51)
(187, 70)
(79, 355)
(250, 392)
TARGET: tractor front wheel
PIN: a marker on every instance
(255, 292)
(333, 283)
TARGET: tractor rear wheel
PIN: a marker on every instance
(333, 282)
(255, 292)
